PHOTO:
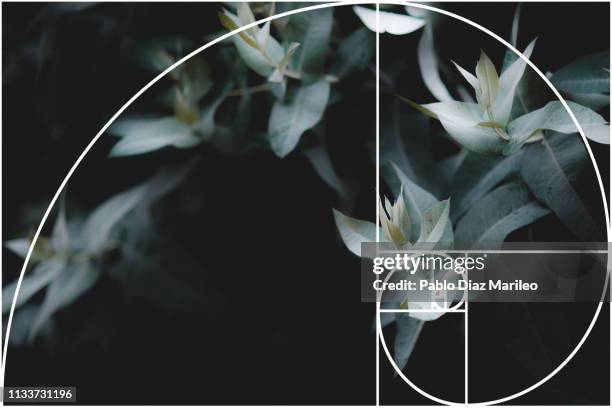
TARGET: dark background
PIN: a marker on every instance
(290, 328)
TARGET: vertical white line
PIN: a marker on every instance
(378, 328)
(609, 230)
(465, 345)
(1, 212)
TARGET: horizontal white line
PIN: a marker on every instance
(490, 251)
(421, 310)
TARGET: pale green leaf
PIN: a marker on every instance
(319, 158)
(354, 53)
(503, 210)
(405, 141)
(515, 25)
(392, 23)
(428, 65)
(260, 62)
(232, 22)
(584, 75)
(290, 119)
(140, 136)
(436, 226)
(60, 238)
(33, 282)
(72, 282)
(264, 35)
(354, 232)
(19, 246)
(262, 58)
(472, 80)
(420, 108)
(103, 220)
(476, 176)
(417, 201)
(531, 93)
(553, 170)
(488, 81)
(205, 127)
(510, 56)
(408, 330)
(595, 101)
(245, 15)
(508, 82)
(457, 113)
(462, 122)
(553, 116)
(311, 30)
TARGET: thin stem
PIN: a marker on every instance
(251, 90)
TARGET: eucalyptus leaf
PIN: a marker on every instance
(392, 23)
(515, 25)
(476, 176)
(553, 116)
(510, 56)
(205, 127)
(531, 93)
(290, 119)
(22, 321)
(456, 113)
(417, 201)
(99, 225)
(354, 53)
(354, 232)
(428, 65)
(586, 74)
(140, 135)
(19, 246)
(462, 122)
(32, 283)
(60, 238)
(262, 58)
(503, 210)
(320, 160)
(436, 226)
(488, 80)
(385, 319)
(311, 30)
(595, 101)
(553, 170)
(471, 79)
(408, 331)
(425, 316)
(501, 107)
(405, 141)
(73, 281)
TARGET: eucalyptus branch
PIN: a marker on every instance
(250, 90)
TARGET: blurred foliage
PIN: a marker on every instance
(264, 89)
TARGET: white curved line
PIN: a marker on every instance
(101, 132)
(603, 195)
